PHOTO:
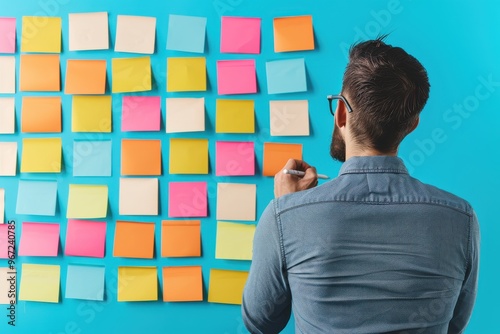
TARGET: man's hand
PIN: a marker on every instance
(287, 183)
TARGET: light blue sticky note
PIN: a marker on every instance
(286, 76)
(92, 158)
(85, 282)
(37, 198)
(186, 33)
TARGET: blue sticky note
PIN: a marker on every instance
(92, 158)
(286, 76)
(85, 282)
(186, 33)
(37, 198)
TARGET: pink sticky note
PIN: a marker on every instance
(141, 113)
(4, 241)
(236, 77)
(234, 158)
(187, 199)
(39, 239)
(7, 35)
(240, 35)
(85, 238)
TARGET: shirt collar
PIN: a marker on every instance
(373, 164)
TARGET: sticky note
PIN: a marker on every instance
(289, 118)
(135, 34)
(88, 31)
(141, 157)
(41, 155)
(240, 35)
(137, 284)
(293, 33)
(182, 284)
(85, 238)
(87, 201)
(188, 156)
(226, 286)
(141, 113)
(6, 298)
(185, 115)
(36, 198)
(8, 158)
(7, 35)
(181, 238)
(39, 73)
(235, 116)
(40, 283)
(2, 207)
(234, 241)
(92, 158)
(236, 77)
(8, 77)
(134, 240)
(276, 156)
(187, 199)
(186, 74)
(7, 115)
(85, 282)
(39, 239)
(236, 201)
(131, 74)
(91, 114)
(186, 33)
(41, 34)
(85, 77)
(286, 76)
(41, 114)
(138, 196)
(4, 242)
(234, 158)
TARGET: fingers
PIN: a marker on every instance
(296, 164)
(310, 179)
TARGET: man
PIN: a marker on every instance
(374, 250)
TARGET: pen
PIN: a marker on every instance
(301, 173)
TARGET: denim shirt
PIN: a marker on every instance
(372, 251)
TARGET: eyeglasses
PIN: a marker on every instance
(338, 97)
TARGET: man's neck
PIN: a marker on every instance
(365, 151)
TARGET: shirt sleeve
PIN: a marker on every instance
(267, 299)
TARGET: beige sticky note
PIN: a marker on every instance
(234, 241)
(41, 155)
(88, 31)
(236, 201)
(289, 118)
(7, 75)
(87, 201)
(2, 207)
(41, 34)
(91, 114)
(135, 34)
(40, 283)
(7, 115)
(138, 196)
(185, 115)
(8, 158)
(6, 279)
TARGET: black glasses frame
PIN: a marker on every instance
(338, 97)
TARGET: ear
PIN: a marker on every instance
(341, 114)
(415, 124)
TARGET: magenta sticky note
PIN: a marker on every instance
(7, 35)
(85, 238)
(187, 199)
(236, 77)
(4, 241)
(39, 239)
(240, 35)
(141, 113)
(234, 158)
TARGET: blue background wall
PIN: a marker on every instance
(457, 41)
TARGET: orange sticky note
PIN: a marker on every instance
(134, 239)
(41, 114)
(85, 77)
(180, 238)
(276, 155)
(293, 33)
(141, 157)
(40, 73)
(182, 284)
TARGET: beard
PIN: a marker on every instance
(337, 146)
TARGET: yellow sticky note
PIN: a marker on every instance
(186, 74)
(131, 74)
(235, 116)
(137, 284)
(91, 114)
(226, 286)
(40, 283)
(41, 155)
(41, 34)
(87, 201)
(234, 241)
(188, 156)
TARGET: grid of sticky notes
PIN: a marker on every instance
(115, 109)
